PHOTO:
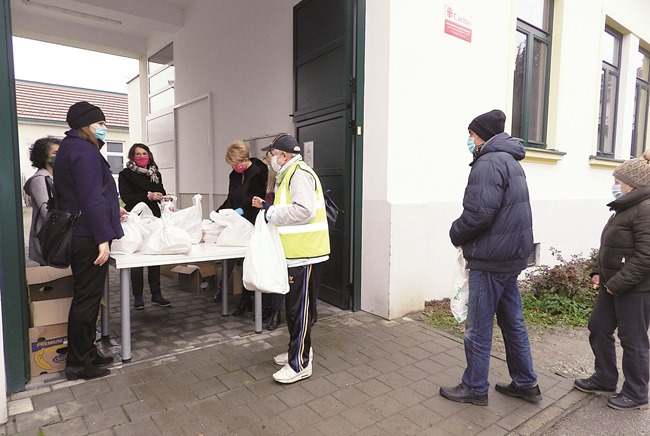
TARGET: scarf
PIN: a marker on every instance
(152, 171)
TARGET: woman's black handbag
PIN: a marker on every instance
(56, 233)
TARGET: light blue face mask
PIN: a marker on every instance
(616, 191)
(470, 145)
(100, 133)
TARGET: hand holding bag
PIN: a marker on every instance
(56, 234)
(460, 289)
(265, 267)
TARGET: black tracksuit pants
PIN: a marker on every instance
(299, 303)
(89, 281)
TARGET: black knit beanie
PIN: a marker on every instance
(488, 124)
(84, 114)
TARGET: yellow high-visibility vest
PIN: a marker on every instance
(303, 240)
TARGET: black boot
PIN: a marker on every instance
(246, 303)
(275, 319)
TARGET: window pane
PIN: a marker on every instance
(518, 87)
(116, 163)
(535, 108)
(643, 66)
(608, 92)
(535, 12)
(161, 101)
(162, 58)
(640, 122)
(611, 49)
(161, 80)
(114, 147)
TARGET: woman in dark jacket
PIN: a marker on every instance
(140, 182)
(247, 180)
(623, 301)
(84, 183)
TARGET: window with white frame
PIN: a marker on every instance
(640, 125)
(531, 73)
(115, 156)
(609, 80)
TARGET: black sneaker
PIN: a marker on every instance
(87, 373)
(138, 302)
(158, 300)
(532, 395)
(100, 360)
(589, 386)
(462, 394)
(621, 402)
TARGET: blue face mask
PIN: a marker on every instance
(52, 160)
(100, 133)
(616, 191)
(470, 145)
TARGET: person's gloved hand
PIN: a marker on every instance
(240, 211)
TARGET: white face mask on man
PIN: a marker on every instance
(274, 163)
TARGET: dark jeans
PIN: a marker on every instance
(631, 315)
(489, 294)
(137, 279)
(88, 288)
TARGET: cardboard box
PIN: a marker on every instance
(237, 285)
(166, 270)
(47, 283)
(197, 277)
(48, 347)
(49, 312)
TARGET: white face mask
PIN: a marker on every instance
(274, 164)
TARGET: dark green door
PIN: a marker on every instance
(323, 107)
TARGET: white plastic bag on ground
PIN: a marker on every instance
(237, 230)
(265, 267)
(132, 240)
(188, 219)
(460, 289)
(168, 239)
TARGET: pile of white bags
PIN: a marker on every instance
(174, 233)
(227, 228)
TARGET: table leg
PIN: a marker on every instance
(125, 300)
(258, 312)
(105, 326)
(224, 288)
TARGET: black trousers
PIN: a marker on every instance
(631, 315)
(299, 304)
(88, 288)
(137, 279)
(278, 299)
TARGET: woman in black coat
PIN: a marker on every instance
(623, 302)
(247, 180)
(139, 182)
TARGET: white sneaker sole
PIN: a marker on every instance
(305, 373)
(283, 359)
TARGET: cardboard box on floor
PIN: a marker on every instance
(47, 283)
(196, 277)
(48, 312)
(48, 347)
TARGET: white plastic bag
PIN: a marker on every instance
(188, 219)
(265, 267)
(460, 289)
(168, 239)
(132, 240)
(237, 230)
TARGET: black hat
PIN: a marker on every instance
(84, 114)
(284, 142)
(488, 124)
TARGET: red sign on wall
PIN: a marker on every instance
(457, 25)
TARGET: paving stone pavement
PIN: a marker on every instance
(195, 372)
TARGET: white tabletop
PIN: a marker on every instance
(200, 253)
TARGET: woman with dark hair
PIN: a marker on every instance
(85, 184)
(42, 154)
(140, 182)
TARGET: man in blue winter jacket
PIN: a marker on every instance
(495, 231)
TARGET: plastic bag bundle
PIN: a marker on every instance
(460, 289)
(168, 239)
(265, 267)
(132, 240)
(189, 219)
(237, 230)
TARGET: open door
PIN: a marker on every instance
(324, 95)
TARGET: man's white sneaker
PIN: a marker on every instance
(288, 375)
(283, 359)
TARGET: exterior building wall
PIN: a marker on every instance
(423, 87)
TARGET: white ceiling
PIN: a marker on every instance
(121, 27)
